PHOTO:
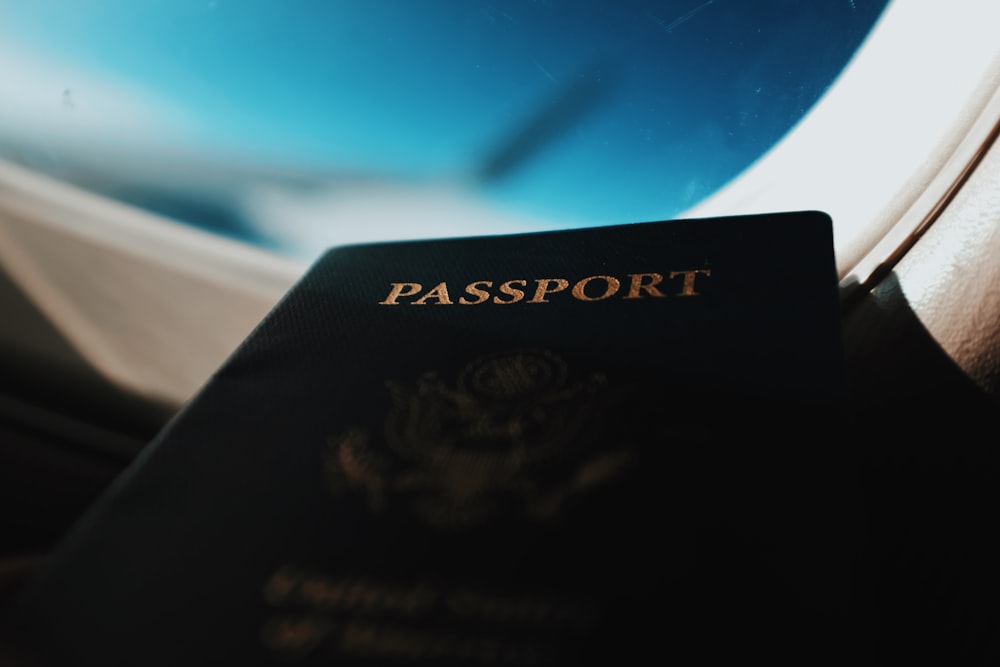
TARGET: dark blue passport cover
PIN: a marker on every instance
(554, 448)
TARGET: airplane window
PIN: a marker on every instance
(298, 126)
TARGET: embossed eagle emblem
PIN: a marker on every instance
(512, 431)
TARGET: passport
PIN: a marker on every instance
(582, 446)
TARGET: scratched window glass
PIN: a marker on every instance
(298, 125)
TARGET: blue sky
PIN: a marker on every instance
(678, 97)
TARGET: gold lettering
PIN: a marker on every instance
(612, 287)
(439, 292)
(331, 595)
(509, 289)
(280, 586)
(547, 286)
(400, 289)
(319, 592)
(473, 289)
(513, 291)
(687, 288)
(294, 636)
(641, 284)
